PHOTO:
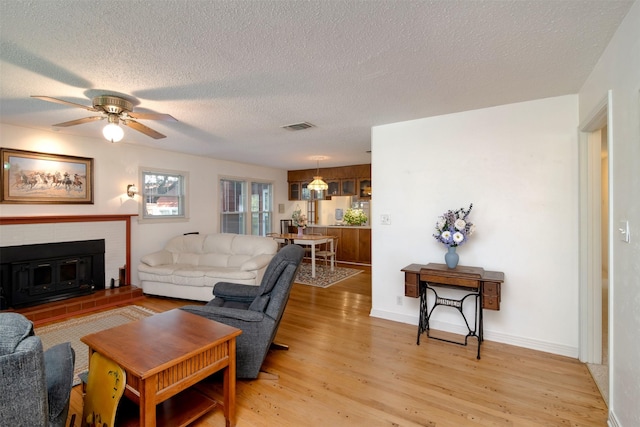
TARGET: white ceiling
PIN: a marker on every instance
(234, 72)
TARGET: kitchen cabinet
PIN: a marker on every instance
(352, 180)
(334, 187)
(340, 187)
(348, 187)
(364, 188)
(299, 191)
(354, 244)
(295, 190)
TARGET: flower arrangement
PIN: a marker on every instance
(453, 227)
(299, 219)
(354, 217)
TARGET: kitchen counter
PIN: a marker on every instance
(339, 226)
(354, 241)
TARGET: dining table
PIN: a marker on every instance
(312, 240)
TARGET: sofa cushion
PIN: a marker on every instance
(218, 243)
(158, 258)
(253, 245)
(256, 262)
(230, 274)
(160, 270)
(214, 259)
(187, 258)
(191, 243)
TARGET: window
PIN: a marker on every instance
(260, 208)
(232, 217)
(245, 206)
(312, 211)
(163, 194)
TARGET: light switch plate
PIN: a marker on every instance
(385, 219)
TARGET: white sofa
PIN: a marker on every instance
(189, 266)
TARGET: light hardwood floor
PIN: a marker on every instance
(345, 368)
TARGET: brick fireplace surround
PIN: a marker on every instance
(100, 299)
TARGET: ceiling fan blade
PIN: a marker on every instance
(144, 129)
(152, 116)
(79, 121)
(63, 102)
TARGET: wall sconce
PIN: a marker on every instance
(132, 190)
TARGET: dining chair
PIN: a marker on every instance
(284, 226)
(105, 386)
(307, 248)
(326, 253)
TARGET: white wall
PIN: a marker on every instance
(618, 70)
(116, 165)
(518, 165)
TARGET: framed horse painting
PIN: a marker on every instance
(30, 177)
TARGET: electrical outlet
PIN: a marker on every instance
(385, 219)
(399, 300)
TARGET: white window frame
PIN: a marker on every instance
(247, 213)
(183, 196)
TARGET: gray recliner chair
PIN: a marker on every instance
(35, 385)
(257, 310)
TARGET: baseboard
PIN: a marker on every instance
(489, 335)
(613, 421)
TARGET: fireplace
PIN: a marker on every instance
(40, 273)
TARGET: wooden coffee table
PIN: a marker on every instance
(164, 355)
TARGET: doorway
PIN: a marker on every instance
(594, 247)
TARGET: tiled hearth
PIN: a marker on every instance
(101, 299)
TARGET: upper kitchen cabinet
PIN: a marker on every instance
(352, 180)
(364, 188)
(334, 187)
(298, 191)
(348, 187)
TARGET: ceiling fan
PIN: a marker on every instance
(116, 110)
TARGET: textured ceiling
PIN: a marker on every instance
(234, 72)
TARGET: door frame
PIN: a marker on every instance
(590, 256)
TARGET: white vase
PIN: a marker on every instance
(300, 231)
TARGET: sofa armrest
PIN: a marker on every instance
(158, 258)
(256, 263)
(235, 291)
(59, 361)
(230, 316)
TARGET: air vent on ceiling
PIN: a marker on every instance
(298, 126)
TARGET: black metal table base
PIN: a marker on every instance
(458, 304)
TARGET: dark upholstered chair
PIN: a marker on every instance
(257, 310)
(35, 385)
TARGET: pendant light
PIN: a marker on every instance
(318, 184)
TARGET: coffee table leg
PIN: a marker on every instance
(230, 386)
(147, 402)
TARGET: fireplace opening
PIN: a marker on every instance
(36, 274)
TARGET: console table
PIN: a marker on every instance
(483, 286)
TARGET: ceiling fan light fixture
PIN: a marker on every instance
(112, 132)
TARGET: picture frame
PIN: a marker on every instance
(43, 178)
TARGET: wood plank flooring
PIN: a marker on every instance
(345, 368)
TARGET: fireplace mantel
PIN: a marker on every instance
(17, 220)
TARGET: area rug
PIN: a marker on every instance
(73, 329)
(324, 276)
